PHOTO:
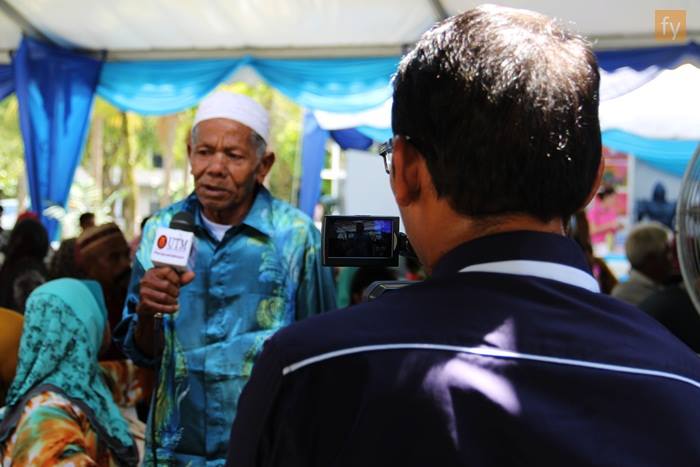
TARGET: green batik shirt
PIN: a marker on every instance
(264, 274)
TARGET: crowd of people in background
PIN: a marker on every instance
(101, 253)
(94, 268)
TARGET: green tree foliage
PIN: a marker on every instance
(128, 143)
(11, 148)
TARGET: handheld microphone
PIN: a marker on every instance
(174, 248)
(174, 245)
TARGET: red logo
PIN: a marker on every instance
(162, 241)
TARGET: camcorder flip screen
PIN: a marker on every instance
(360, 241)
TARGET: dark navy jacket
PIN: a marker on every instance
(506, 356)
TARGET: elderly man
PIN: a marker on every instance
(507, 354)
(648, 249)
(257, 268)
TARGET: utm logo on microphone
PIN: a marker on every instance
(172, 243)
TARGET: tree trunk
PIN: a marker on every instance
(167, 130)
(22, 192)
(97, 155)
(129, 177)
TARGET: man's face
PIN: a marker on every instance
(111, 265)
(225, 164)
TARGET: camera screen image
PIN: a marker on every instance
(360, 238)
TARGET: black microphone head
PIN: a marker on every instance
(183, 220)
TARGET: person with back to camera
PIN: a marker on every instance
(61, 410)
(507, 355)
(648, 249)
(24, 268)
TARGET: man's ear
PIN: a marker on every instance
(405, 175)
(596, 183)
(265, 165)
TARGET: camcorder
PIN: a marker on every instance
(356, 241)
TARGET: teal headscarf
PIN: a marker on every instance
(64, 322)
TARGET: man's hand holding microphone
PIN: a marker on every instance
(159, 289)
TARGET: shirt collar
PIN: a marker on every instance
(519, 245)
(259, 216)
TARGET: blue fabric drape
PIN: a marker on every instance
(313, 151)
(351, 139)
(333, 85)
(159, 87)
(7, 81)
(639, 59)
(670, 156)
(377, 134)
(55, 90)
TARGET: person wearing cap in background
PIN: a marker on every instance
(257, 268)
(102, 254)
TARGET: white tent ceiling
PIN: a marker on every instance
(133, 29)
(665, 108)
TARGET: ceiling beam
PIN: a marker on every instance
(600, 42)
(261, 52)
(22, 22)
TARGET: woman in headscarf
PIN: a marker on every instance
(59, 411)
(23, 268)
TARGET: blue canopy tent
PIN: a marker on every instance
(55, 89)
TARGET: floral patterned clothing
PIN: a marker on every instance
(263, 275)
(52, 430)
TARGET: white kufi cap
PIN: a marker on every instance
(238, 107)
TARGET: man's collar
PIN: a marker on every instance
(259, 216)
(519, 245)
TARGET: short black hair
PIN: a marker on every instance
(503, 106)
(85, 218)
